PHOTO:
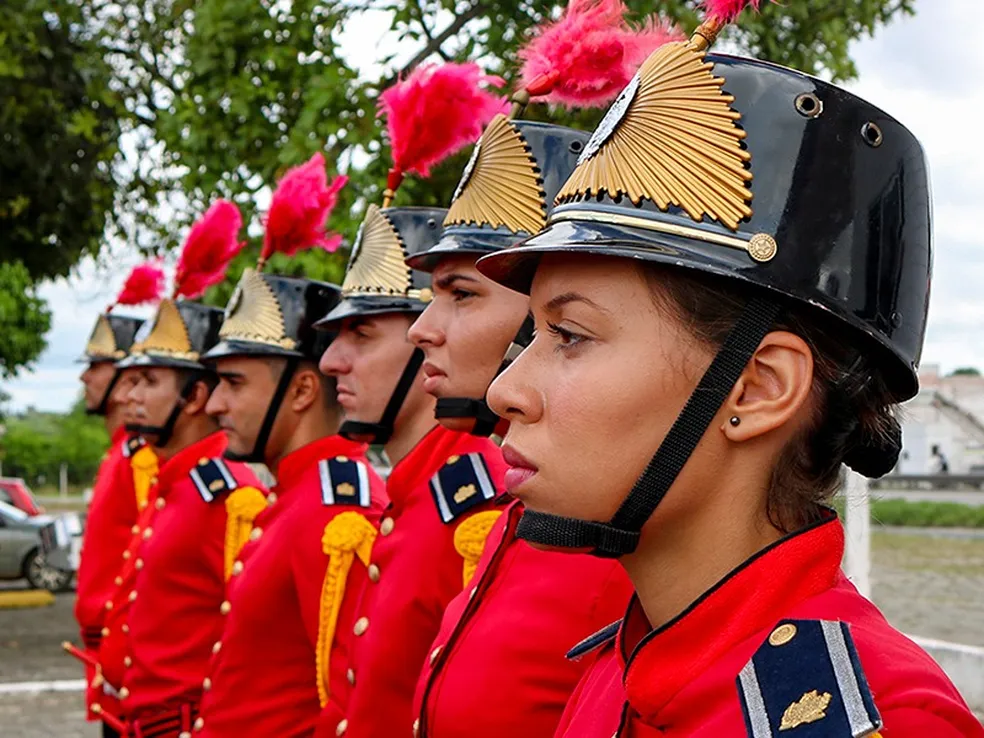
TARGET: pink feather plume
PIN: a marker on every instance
(144, 284)
(437, 110)
(727, 10)
(588, 56)
(299, 210)
(211, 244)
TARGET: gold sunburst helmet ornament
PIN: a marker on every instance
(507, 190)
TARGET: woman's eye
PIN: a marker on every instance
(567, 340)
(459, 294)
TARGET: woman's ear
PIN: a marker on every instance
(772, 390)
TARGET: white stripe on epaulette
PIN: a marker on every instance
(363, 484)
(478, 464)
(203, 489)
(327, 488)
(442, 502)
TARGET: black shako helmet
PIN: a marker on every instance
(505, 194)
(760, 174)
(178, 337)
(270, 316)
(377, 282)
(110, 342)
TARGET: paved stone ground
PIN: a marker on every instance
(928, 585)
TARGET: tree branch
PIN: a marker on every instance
(434, 45)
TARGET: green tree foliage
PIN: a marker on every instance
(966, 371)
(58, 136)
(24, 316)
(37, 444)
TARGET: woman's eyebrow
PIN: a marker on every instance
(559, 301)
(445, 281)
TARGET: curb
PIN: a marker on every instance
(26, 598)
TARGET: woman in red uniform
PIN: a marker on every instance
(736, 276)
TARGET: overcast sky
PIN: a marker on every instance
(922, 70)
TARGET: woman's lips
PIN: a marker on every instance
(520, 469)
(432, 377)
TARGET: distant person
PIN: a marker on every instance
(941, 465)
(120, 488)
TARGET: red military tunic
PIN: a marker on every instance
(273, 667)
(178, 598)
(113, 649)
(112, 513)
(695, 675)
(501, 668)
(431, 537)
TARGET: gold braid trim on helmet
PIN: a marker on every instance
(348, 535)
(469, 540)
(242, 507)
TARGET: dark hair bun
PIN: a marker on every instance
(874, 457)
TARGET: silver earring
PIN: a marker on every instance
(735, 421)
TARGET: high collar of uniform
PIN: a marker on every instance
(293, 466)
(423, 461)
(119, 435)
(181, 464)
(658, 663)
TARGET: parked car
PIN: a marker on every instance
(26, 542)
(14, 491)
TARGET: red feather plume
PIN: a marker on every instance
(144, 284)
(437, 110)
(299, 210)
(725, 11)
(211, 244)
(588, 56)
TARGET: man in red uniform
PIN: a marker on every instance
(527, 606)
(114, 507)
(281, 664)
(443, 485)
(201, 517)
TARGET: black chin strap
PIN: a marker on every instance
(469, 407)
(621, 535)
(161, 434)
(356, 430)
(103, 405)
(258, 454)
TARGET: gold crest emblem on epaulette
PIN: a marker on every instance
(345, 490)
(809, 708)
(465, 492)
(216, 484)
